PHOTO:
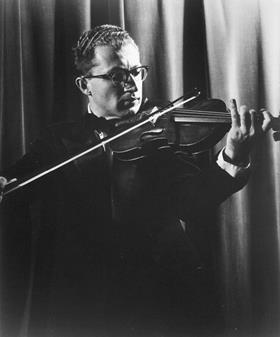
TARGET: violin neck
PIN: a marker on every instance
(197, 116)
(217, 117)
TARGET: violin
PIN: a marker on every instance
(171, 127)
(181, 129)
(191, 131)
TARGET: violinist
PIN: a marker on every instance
(115, 255)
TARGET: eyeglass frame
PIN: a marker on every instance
(108, 76)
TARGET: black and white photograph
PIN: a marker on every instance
(139, 168)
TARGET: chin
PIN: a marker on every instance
(133, 111)
(129, 112)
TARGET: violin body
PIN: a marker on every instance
(173, 131)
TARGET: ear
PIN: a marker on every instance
(81, 83)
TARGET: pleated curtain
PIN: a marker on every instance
(229, 49)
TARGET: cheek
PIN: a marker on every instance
(139, 86)
(105, 95)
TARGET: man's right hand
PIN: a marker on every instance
(3, 183)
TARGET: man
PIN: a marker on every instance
(115, 254)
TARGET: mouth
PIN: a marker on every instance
(128, 101)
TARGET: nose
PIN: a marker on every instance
(130, 84)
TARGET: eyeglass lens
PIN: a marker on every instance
(122, 75)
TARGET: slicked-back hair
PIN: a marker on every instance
(104, 35)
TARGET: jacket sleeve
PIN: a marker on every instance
(39, 157)
(193, 197)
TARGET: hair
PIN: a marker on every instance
(104, 35)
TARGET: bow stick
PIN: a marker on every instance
(151, 118)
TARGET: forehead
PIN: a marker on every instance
(107, 58)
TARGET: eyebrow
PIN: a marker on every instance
(118, 67)
(112, 69)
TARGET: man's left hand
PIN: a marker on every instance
(246, 129)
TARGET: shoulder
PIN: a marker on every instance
(76, 130)
(68, 137)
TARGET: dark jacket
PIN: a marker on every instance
(117, 246)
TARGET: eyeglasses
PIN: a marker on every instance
(120, 76)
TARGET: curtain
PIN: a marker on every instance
(227, 49)
(243, 49)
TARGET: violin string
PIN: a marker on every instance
(202, 112)
(221, 116)
(205, 116)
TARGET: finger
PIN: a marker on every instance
(245, 119)
(3, 182)
(267, 120)
(253, 120)
(234, 113)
